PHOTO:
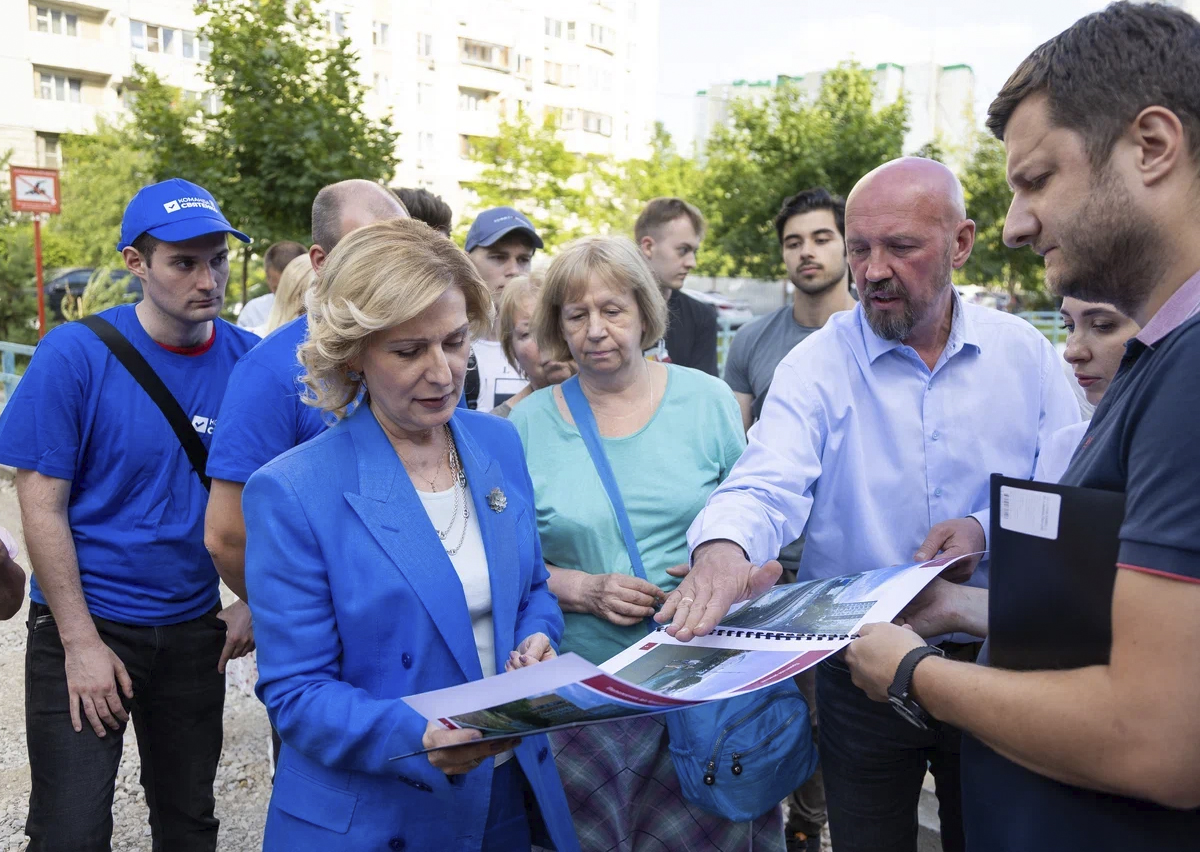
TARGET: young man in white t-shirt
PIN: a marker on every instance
(501, 244)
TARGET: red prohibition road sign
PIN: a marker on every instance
(34, 190)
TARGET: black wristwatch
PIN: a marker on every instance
(900, 692)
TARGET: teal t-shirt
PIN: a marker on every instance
(665, 472)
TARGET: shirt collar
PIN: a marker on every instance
(1182, 304)
(962, 333)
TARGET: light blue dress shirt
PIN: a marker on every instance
(863, 448)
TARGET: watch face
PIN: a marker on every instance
(909, 711)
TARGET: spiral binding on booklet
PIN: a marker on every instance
(767, 634)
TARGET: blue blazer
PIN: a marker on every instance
(356, 604)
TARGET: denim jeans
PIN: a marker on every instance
(874, 763)
(178, 700)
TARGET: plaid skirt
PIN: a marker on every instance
(624, 795)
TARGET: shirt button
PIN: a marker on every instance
(937, 493)
(406, 660)
(396, 844)
(936, 434)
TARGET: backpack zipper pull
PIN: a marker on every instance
(710, 773)
(737, 766)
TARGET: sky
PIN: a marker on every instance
(702, 42)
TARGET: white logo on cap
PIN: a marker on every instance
(171, 206)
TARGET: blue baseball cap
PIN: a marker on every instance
(173, 211)
(491, 225)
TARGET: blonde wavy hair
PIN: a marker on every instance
(617, 262)
(294, 282)
(517, 293)
(378, 277)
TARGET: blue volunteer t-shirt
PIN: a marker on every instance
(263, 414)
(136, 507)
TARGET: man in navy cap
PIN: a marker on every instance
(125, 617)
(501, 244)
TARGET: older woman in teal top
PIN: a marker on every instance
(671, 434)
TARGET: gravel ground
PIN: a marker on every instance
(243, 779)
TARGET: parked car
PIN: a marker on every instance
(732, 312)
(74, 280)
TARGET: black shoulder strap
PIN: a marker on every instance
(145, 376)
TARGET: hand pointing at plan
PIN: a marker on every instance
(721, 576)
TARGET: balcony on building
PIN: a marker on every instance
(484, 54)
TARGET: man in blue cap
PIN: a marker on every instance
(125, 617)
(501, 244)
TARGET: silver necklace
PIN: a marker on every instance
(460, 488)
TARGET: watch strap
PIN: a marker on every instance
(902, 682)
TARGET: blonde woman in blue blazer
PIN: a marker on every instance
(394, 554)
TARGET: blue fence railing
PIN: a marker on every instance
(8, 366)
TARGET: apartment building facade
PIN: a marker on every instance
(941, 102)
(444, 72)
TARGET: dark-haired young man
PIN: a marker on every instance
(669, 232)
(125, 617)
(811, 229)
(426, 207)
(1102, 129)
(255, 312)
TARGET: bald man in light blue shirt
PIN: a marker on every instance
(877, 441)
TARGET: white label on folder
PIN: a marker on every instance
(1030, 512)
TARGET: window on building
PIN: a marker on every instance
(379, 34)
(56, 21)
(203, 49)
(466, 146)
(525, 66)
(153, 39)
(383, 87)
(187, 44)
(602, 37)
(425, 45)
(554, 28)
(424, 94)
(48, 155)
(553, 73)
(569, 120)
(482, 53)
(59, 87)
(570, 31)
(594, 122)
(425, 142)
(137, 35)
(337, 23)
(170, 38)
(474, 100)
(570, 75)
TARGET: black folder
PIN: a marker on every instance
(1050, 601)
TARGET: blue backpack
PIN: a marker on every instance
(738, 757)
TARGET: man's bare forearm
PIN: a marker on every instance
(52, 554)
(225, 534)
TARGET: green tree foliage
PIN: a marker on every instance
(774, 148)
(290, 121)
(1019, 272)
(527, 166)
(101, 172)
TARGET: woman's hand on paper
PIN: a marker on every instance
(465, 752)
(621, 599)
(535, 648)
